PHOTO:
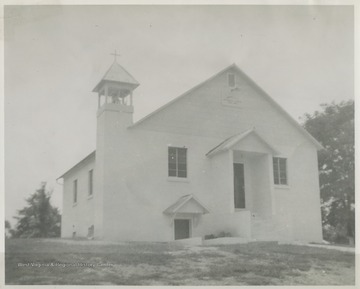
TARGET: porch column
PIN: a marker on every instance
(231, 192)
(271, 182)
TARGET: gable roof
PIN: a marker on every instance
(235, 139)
(117, 73)
(248, 79)
(181, 202)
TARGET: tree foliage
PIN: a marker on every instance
(39, 219)
(7, 228)
(333, 127)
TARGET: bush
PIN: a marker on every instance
(208, 237)
(335, 235)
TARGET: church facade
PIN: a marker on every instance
(221, 158)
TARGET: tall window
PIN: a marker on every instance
(177, 162)
(91, 174)
(280, 171)
(231, 79)
(75, 192)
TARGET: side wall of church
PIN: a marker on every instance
(78, 217)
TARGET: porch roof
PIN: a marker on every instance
(187, 204)
(235, 139)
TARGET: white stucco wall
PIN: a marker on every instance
(81, 214)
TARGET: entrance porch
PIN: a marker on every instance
(251, 193)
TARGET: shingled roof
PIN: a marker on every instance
(187, 204)
(117, 73)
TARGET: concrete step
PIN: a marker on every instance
(226, 241)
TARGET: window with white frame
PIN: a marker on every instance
(177, 162)
(91, 182)
(280, 171)
(75, 191)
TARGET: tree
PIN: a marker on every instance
(39, 219)
(333, 127)
(7, 228)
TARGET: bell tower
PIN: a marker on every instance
(116, 87)
(113, 142)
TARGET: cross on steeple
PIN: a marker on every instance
(115, 54)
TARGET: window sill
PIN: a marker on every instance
(90, 197)
(74, 204)
(241, 210)
(176, 179)
(282, 187)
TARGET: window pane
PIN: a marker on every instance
(172, 155)
(182, 167)
(75, 192)
(283, 181)
(276, 168)
(181, 155)
(172, 166)
(172, 173)
(275, 162)
(182, 160)
(182, 174)
(182, 152)
(276, 178)
(282, 162)
(90, 182)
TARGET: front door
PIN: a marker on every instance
(182, 229)
(239, 186)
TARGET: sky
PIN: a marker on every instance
(301, 56)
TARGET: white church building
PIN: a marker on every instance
(222, 157)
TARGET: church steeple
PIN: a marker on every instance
(116, 86)
(113, 142)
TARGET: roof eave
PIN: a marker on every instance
(233, 140)
(284, 112)
(181, 96)
(180, 205)
(101, 83)
(92, 154)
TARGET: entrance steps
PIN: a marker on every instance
(197, 241)
(226, 241)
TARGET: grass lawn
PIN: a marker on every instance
(76, 262)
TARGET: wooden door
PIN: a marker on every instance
(239, 186)
(182, 229)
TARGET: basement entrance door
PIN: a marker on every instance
(239, 186)
(182, 229)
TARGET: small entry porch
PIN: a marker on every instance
(251, 182)
(184, 215)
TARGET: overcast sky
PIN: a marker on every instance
(55, 55)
